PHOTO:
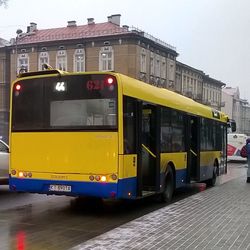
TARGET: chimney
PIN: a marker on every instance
(32, 27)
(90, 20)
(71, 24)
(115, 19)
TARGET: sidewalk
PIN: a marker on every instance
(217, 218)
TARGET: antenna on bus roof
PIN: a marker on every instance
(47, 66)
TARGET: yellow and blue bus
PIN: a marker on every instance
(110, 136)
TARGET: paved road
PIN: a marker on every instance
(218, 218)
(30, 221)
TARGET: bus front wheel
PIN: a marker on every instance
(167, 194)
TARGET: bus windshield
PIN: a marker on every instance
(65, 103)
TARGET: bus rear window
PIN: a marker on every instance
(65, 103)
(90, 112)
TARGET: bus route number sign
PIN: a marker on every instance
(60, 86)
(95, 85)
(100, 84)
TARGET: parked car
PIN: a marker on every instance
(4, 163)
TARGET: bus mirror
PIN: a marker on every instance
(232, 125)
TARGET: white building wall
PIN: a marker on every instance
(228, 100)
(246, 119)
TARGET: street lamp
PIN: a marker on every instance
(18, 32)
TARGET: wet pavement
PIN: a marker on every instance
(32, 221)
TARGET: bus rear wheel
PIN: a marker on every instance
(211, 182)
(167, 194)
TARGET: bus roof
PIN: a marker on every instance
(165, 97)
(141, 90)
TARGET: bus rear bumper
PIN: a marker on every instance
(123, 189)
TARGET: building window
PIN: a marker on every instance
(143, 61)
(195, 87)
(106, 59)
(2, 96)
(163, 68)
(152, 65)
(23, 63)
(157, 67)
(184, 85)
(172, 71)
(79, 60)
(61, 60)
(43, 59)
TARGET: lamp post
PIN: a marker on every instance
(18, 32)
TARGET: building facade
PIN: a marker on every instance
(237, 109)
(4, 89)
(212, 92)
(104, 46)
(96, 47)
(195, 84)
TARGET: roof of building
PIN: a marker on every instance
(232, 91)
(90, 30)
(71, 32)
(189, 67)
(3, 42)
(214, 81)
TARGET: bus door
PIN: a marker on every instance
(149, 163)
(193, 149)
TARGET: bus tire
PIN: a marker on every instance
(211, 182)
(167, 194)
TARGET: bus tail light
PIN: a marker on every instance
(114, 177)
(13, 172)
(18, 87)
(97, 178)
(103, 178)
(110, 80)
(22, 174)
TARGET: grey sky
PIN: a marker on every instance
(210, 35)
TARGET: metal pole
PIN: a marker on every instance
(18, 32)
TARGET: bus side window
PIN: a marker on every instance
(129, 125)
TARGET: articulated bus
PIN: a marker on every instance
(107, 135)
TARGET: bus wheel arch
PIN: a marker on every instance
(168, 183)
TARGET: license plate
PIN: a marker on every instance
(60, 188)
